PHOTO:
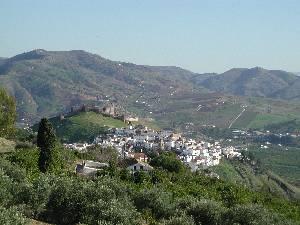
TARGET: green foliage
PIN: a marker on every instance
(6, 145)
(158, 202)
(206, 212)
(179, 220)
(168, 161)
(23, 135)
(178, 198)
(7, 114)
(12, 216)
(217, 133)
(46, 141)
(140, 177)
(285, 163)
(84, 126)
(73, 201)
(252, 214)
(27, 159)
(263, 120)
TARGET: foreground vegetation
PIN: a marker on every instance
(116, 197)
(39, 183)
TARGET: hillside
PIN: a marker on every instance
(285, 163)
(82, 127)
(255, 82)
(259, 180)
(45, 83)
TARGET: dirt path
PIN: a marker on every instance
(233, 121)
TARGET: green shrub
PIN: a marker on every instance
(11, 216)
(179, 220)
(167, 161)
(158, 202)
(253, 215)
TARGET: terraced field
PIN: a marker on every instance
(236, 172)
(285, 163)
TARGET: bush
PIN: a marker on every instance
(11, 216)
(253, 215)
(158, 202)
(27, 159)
(179, 220)
(167, 161)
(74, 201)
(14, 172)
(207, 212)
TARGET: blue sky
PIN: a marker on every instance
(203, 36)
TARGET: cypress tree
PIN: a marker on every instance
(46, 141)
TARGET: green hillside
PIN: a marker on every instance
(256, 179)
(269, 114)
(83, 127)
(285, 163)
(256, 82)
(46, 83)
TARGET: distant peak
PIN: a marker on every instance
(39, 51)
(34, 54)
(257, 68)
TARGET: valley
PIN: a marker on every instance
(222, 127)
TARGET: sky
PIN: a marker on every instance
(199, 35)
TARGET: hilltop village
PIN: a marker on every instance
(136, 141)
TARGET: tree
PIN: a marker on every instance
(7, 114)
(167, 161)
(46, 141)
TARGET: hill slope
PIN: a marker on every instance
(255, 82)
(82, 127)
(243, 173)
(45, 83)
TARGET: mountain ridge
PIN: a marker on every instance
(255, 82)
(48, 82)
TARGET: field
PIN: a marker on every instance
(241, 173)
(285, 163)
(262, 120)
(262, 113)
(243, 121)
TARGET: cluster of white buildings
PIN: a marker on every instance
(196, 154)
(80, 147)
(132, 142)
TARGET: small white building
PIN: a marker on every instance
(140, 166)
(89, 168)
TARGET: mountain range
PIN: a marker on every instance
(45, 83)
(257, 82)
